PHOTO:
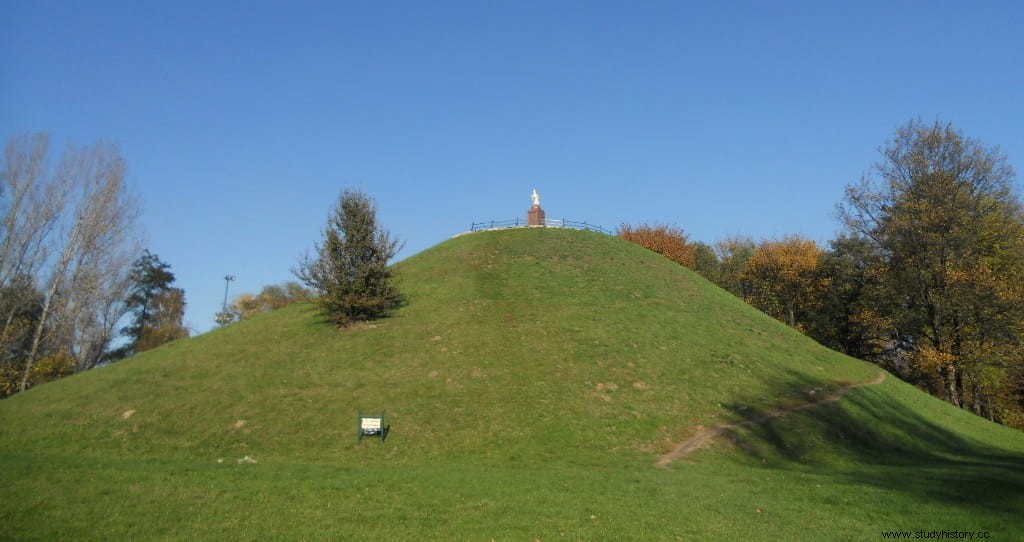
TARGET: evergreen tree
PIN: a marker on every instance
(166, 314)
(350, 271)
(157, 307)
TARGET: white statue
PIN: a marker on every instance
(536, 198)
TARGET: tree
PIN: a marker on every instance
(941, 211)
(21, 307)
(350, 271)
(31, 206)
(785, 279)
(166, 313)
(733, 255)
(157, 308)
(851, 315)
(69, 228)
(705, 261)
(271, 297)
(669, 241)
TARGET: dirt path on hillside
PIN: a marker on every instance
(704, 435)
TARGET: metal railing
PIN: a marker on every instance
(547, 223)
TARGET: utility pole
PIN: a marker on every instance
(223, 318)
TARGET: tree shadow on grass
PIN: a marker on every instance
(883, 436)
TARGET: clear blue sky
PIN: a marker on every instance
(242, 121)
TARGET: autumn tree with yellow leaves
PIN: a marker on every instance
(941, 211)
(669, 241)
(785, 279)
(926, 281)
(270, 298)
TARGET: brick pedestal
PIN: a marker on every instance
(536, 216)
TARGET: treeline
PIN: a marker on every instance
(78, 291)
(271, 297)
(70, 266)
(926, 279)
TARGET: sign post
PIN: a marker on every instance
(372, 425)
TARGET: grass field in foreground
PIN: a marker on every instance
(532, 381)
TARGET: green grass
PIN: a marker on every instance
(532, 381)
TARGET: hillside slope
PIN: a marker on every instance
(566, 360)
(561, 337)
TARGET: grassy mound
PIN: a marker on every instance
(532, 381)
